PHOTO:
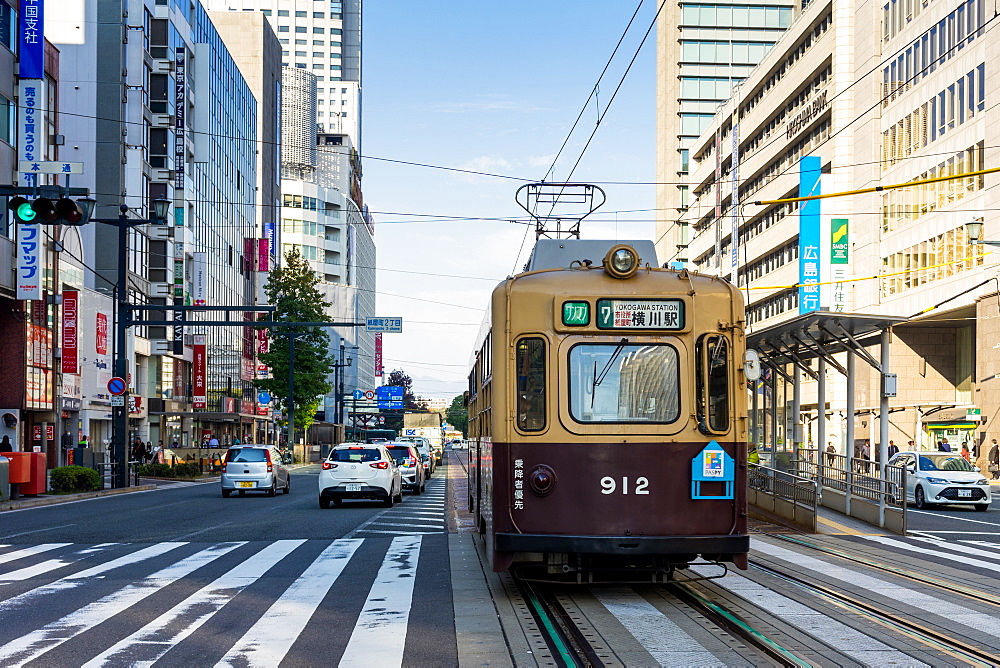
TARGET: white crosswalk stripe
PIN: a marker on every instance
(377, 638)
(417, 515)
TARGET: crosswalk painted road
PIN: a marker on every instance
(227, 604)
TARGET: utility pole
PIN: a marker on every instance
(119, 414)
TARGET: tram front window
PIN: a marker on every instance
(624, 382)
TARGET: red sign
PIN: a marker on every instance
(50, 432)
(199, 373)
(70, 358)
(250, 253)
(102, 334)
(263, 410)
(262, 341)
(378, 355)
(134, 405)
(246, 407)
(263, 255)
(228, 405)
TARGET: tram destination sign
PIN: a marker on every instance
(640, 314)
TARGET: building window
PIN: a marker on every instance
(301, 14)
(300, 65)
(265, 12)
(319, 15)
(317, 54)
(283, 41)
(6, 120)
(335, 56)
(300, 42)
(318, 42)
(282, 12)
(282, 28)
(318, 30)
(335, 67)
(300, 29)
(318, 66)
(300, 54)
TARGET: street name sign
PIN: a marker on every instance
(49, 167)
(385, 325)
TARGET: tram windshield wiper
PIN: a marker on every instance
(598, 379)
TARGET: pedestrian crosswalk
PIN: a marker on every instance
(297, 602)
(416, 516)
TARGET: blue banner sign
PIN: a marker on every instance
(810, 168)
(31, 40)
(389, 396)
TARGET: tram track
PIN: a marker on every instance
(932, 638)
(921, 578)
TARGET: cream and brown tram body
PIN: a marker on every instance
(607, 409)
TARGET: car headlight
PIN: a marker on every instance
(982, 481)
(937, 481)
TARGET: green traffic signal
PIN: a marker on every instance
(22, 209)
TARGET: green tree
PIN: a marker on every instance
(399, 378)
(293, 292)
(458, 415)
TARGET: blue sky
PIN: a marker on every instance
(492, 87)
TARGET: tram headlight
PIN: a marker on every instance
(621, 261)
(541, 480)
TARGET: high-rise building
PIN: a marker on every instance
(703, 52)
(324, 39)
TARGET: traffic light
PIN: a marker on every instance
(44, 211)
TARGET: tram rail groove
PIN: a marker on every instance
(737, 626)
(944, 585)
(940, 641)
(563, 635)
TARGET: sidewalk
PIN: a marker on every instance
(53, 499)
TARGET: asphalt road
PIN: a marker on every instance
(958, 522)
(181, 576)
(190, 512)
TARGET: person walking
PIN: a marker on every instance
(965, 453)
(831, 453)
(994, 457)
(83, 442)
(893, 449)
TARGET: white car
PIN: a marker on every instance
(942, 477)
(358, 471)
(426, 452)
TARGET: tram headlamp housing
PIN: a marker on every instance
(622, 261)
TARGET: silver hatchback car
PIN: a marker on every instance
(254, 468)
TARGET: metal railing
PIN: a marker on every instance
(785, 494)
(854, 478)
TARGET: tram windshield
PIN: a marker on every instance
(621, 382)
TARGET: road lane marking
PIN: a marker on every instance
(267, 642)
(155, 639)
(26, 533)
(82, 577)
(29, 647)
(29, 551)
(379, 635)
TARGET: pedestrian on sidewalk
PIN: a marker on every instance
(943, 445)
(831, 453)
(893, 449)
(965, 453)
(5, 445)
(994, 457)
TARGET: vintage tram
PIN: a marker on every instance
(607, 428)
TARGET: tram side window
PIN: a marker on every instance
(531, 384)
(713, 383)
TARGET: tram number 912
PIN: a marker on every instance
(609, 486)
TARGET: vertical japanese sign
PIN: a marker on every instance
(31, 123)
(199, 373)
(180, 107)
(810, 168)
(718, 196)
(378, 355)
(839, 259)
(70, 331)
(263, 255)
(31, 43)
(200, 286)
(101, 339)
(247, 366)
(270, 233)
(734, 242)
(29, 261)
(250, 254)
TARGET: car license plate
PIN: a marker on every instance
(353, 487)
(965, 492)
(244, 484)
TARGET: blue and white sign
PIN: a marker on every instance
(29, 261)
(31, 125)
(389, 396)
(264, 398)
(31, 40)
(49, 167)
(359, 394)
(387, 325)
(810, 169)
(712, 464)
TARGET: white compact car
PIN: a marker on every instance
(942, 477)
(423, 446)
(358, 471)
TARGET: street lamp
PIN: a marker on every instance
(974, 230)
(119, 414)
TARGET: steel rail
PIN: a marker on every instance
(915, 630)
(561, 633)
(738, 627)
(944, 585)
